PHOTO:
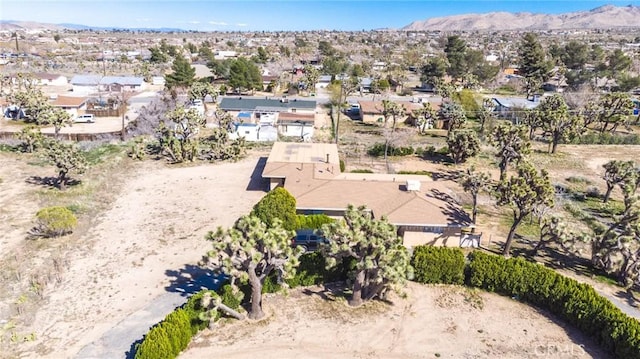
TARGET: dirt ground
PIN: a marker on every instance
(432, 322)
(156, 224)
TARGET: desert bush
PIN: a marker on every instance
(438, 265)
(607, 138)
(378, 150)
(342, 166)
(420, 172)
(54, 222)
(361, 171)
(576, 303)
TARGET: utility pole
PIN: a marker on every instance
(339, 111)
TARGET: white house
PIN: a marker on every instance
(88, 84)
(253, 132)
(47, 79)
(296, 125)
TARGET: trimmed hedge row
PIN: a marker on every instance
(313, 221)
(438, 265)
(172, 335)
(576, 303)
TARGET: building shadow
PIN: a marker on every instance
(191, 279)
(256, 182)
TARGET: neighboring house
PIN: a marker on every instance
(253, 132)
(423, 210)
(296, 125)
(88, 84)
(267, 105)
(323, 81)
(511, 107)
(372, 111)
(47, 79)
(73, 105)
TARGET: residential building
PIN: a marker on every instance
(424, 210)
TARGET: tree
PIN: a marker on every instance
(613, 109)
(31, 138)
(56, 117)
(251, 251)
(425, 117)
(512, 144)
(244, 75)
(66, 158)
(178, 137)
(393, 111)
(381, 261)
(454, 116)
(557, 122)
(199, 90)
(617, 172)
(473, 183)
(310, 78)
(434, 70)
(277, 204)
(157, 56)
(532, 63)
(463, 144)
(486, 115)
(183, 74)
(523, 193)
(455, 50)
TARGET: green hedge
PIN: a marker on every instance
(576, 303)
(438, 265)
(173, 334)
(313, 221)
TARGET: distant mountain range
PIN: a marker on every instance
(604, 17)
(11, 25)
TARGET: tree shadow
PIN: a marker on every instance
(328, 291)
(256, 182)
(627, 296)
(51, 182)
(451, 208)
(191, 279)
(451, 175)
(131, 353)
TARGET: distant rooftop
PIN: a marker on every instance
(243, 103)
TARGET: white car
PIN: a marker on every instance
(86, 118)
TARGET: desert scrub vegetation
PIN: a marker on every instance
(53, 222)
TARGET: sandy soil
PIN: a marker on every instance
(441, 321)
(156, 225)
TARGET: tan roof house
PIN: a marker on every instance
(424, 210)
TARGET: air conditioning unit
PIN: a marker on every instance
(413, 185)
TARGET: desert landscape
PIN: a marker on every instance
(146, 239)
(431, 322)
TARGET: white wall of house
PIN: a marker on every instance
(58, 81)
(296, 130)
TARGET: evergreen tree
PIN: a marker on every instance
(183, 74)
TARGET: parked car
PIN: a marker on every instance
(308, 239)
(86, 118)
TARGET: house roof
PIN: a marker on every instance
(318, 185)
(94, 80)
(265, 104)
(69, 101)
(514, 102)
(290, 117)
(46, 76)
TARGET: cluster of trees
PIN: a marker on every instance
(259, 244)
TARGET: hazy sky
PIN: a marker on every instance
(269, 15)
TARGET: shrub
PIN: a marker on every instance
(313, 221)
(54, 222)
(361, 171)
(438, 265)
(420, 172)
(167, 339)
(576, 303)
(278, 203)
(342, 166)
(378, 150)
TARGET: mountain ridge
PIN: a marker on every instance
(602, 17)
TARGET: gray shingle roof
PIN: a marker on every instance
(264, 104)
